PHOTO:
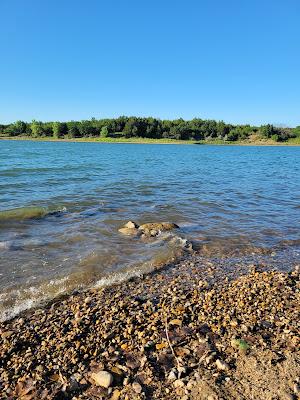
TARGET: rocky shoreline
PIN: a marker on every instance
(186, 331)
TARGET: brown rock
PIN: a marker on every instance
(158, 226)
(137, 387)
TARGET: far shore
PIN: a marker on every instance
(266, 142)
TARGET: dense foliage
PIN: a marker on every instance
(128, 127)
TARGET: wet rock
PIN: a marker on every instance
(129, 231)
(102, 378)
(158, 226)
(131, 225)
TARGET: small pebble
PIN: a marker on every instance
(137, 387)
(178, 383)
(296, 389)
(222, 365)
(102, 378)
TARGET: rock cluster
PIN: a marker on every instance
(146, 230)
(182, 332)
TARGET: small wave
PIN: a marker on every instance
(14, 301)
(24, 213)
(5, 245)
(18, 299)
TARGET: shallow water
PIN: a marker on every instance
(62, 204)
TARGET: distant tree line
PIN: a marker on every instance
(130, 127)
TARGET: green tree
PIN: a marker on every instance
(73, 130)
(275, 137)
(16, 129)
(59, 129)
(266, 131)
(296, 131)
(36, 128)
(104, 132)
(86, 128)
(233, 135)
(20, 127)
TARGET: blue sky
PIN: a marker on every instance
(233, 60)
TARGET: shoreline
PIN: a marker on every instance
(168, 334)
(149, 141)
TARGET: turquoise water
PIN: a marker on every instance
(62, 204)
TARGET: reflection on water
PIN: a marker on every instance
(62, 204)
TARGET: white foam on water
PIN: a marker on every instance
(30, 297)
(117, 278)
(17, 300)
(5, 245)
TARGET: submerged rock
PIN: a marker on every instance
(152, 229)
(131, 225)
(130, 231)
(158, 226)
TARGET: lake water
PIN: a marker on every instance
(61, 205)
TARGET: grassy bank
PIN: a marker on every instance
(138, 140)
(102, 140)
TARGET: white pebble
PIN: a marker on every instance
(102, 378)
(221, 365)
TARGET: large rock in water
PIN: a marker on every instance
(131, 225)
(150, 229)
(130, 231)
(158, 226)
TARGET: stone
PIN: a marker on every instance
(221, 365)
(131, 225)
(172, 376)
(158, 226)
(178, 383)
(137, 387)
(7, 334)
(116, 395)
(288, 396)
(73, 385)
(129, 231)
(102, 378)
(190, 384)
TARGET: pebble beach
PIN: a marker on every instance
(184, 331)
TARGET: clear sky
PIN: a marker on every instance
(233, 60)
